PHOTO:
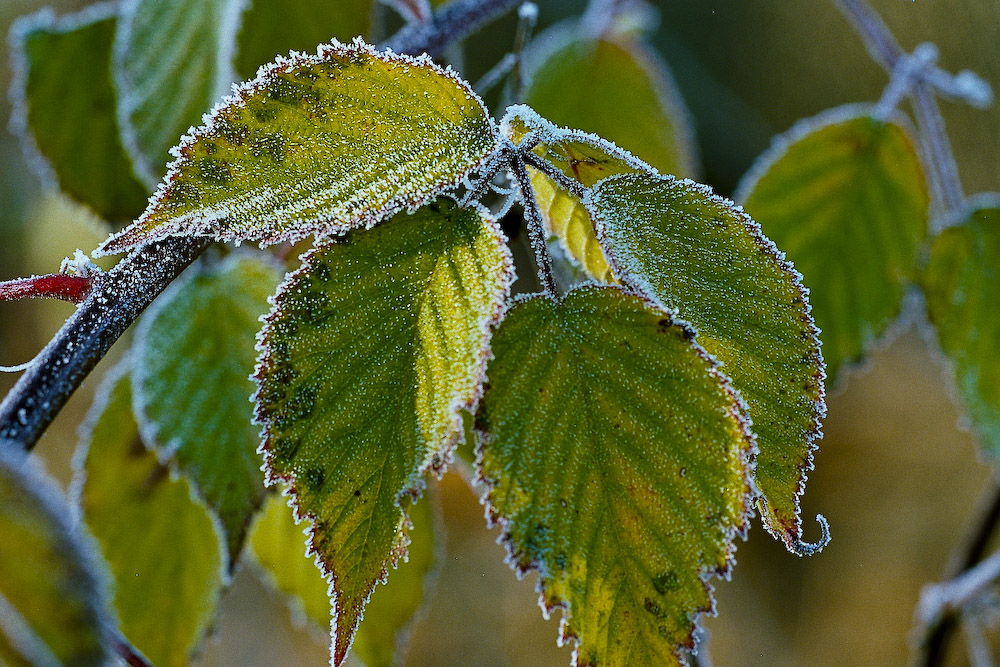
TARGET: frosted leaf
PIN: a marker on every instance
(845, 196)
(962, 285)
(319, 145)
(53, 601)
(372, 350)
(172, 61)
(64, 109)
(617, 463)
(699, 255)
(155, 535)
(194, 354)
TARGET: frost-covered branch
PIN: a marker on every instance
(927, 81)
(120, 296)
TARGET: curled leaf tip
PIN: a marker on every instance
(800, 548)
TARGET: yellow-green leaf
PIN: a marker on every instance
(66, 103)
(962, 284)
(616, 458)
(193, 358)
(165, 550)
(279, 546)
(319, 145)
(844, 195)
(581, 157)
(53, 603)
(373, 348)
(697, 254)
(171, 64)
(269, 28)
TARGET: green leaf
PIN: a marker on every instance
(844, 195)
(53, 603)
(279, 546)
(65, 108)
(164, 548)
(617, 88)
(269, 28)
(617, 462)
(171, 63)
(371, 352)
(193, 359)
(962, 284)
(320, 145)
(699, 255)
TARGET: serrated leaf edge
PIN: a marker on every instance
(737, 411)
(322, 228)
(790, 535)
(436, 462)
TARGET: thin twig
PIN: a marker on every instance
(527, 17)
(536, 227)
(951, 596)
(128, 654)
(124, 292)
(934, 638)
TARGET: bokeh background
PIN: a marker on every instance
(897, 476)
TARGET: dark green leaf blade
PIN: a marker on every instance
(53, 602)
(694, 252)
(962, 285)
(193, 359)
(165, 550)
(319, 145)
(171, 63)
(65, 109)
(269, 28)
(844, 195)
(616, 457)
(371, 352)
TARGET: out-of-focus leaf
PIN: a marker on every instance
(690, 250)
(194, 356)
(171, 64)
(269, 28)
(279, 546)
(844, 196)
(962, 284)
(66, 108)
(163, 546)
(53, 605)
(616, 457)
(320, 145)
(619, 89)
(371, 352)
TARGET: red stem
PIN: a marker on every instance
(52, 286)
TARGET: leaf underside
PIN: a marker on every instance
(152, 531)
(319, 145)
(53, 609)
(846, 200)
(68, 107)
(194, 355)
(616, 459)
(697, 254)
(962, 285)
(371, 352)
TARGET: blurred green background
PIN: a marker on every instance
(896, 475)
